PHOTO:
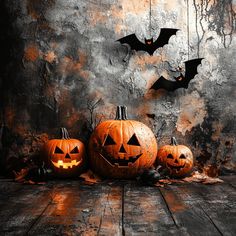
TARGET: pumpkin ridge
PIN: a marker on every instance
(53, 146)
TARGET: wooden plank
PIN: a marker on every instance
(22, 208)
(231, 180)
(79, 209)
(8, 187)
(72, 208)
(187, 214)
(111, 223)
(218, 202)
(145, 212)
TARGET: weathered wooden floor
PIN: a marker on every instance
(118, 208)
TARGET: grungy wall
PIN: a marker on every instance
(62, 66)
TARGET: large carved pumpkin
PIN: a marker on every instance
(65, 156)
(178, 159)
(121, 148)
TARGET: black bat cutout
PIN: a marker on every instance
(181, 81)
(149, 45)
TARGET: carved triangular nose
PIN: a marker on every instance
(122, 149)
(176, 161)
(67, 156)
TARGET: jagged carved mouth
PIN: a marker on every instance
(177, 168)
(66, 165)
(121, 162)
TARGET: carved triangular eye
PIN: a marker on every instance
(75, 150)
(133, 141)
(170, 156)
(58, 150)
(182, 156)
(109, 141)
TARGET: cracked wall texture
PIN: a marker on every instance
(62, 66)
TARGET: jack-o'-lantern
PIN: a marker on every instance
(65, 156)
(178, 159)
(121, 148)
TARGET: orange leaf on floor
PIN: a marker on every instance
(20, 176)
(202, 178)
(90, 178)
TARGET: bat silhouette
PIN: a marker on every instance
(149, 45)
(182, 81)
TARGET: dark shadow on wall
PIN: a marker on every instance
(9, 45)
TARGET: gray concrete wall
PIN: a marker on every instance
(67, 69)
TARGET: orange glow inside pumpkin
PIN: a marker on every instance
(66, 165)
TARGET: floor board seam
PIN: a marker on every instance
(38, 218)
(168, 208)
(211, 220)
(103, 213)
(123, 209)
(206, 214)
(231, 185)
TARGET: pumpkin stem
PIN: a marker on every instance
(121, 113)
(64, 133)
(118, 113)
(173, 141)
(124, 112)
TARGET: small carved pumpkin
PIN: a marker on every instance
(66, 156)
(120, 148)
(178, 159)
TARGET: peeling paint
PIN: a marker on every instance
(119, 28)
(32, 53)
(50, 56)
(68, 65)
(97, 16)
(36, 8)
(133, 8)
(217, 127)
(192, 112)
(142, 61)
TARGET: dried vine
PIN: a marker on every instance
(93, 119)
(220, 16)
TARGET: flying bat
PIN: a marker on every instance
(149, 45)
(181, 81)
